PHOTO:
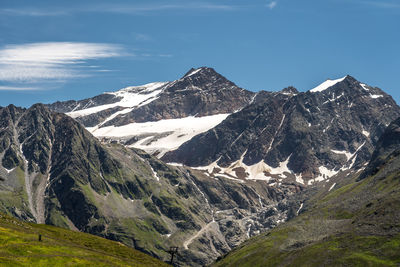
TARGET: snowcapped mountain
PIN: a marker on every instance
(337, 222)
(292, 137)
(159, 117)
(205, 121)
(243, 159)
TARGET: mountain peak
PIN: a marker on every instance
(289, 91)
(327, 84)
(201, 70)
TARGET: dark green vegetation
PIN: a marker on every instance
(20, 246)
(357, 224)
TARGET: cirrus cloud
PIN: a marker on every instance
(272, 4)
(35, 62)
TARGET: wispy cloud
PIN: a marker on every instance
(33, 12)
(35, 62)
(17, 88)
(136, 9)
(119, 9)
(381, 4)
(272, 4)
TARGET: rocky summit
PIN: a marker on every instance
(159, 117)
(290, 136)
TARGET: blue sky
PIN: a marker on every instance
(61, 50)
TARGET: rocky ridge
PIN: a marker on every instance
(54, 171)
(302, 137)
(352, 222)
(146, 116)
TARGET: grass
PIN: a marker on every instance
(344, 250)
(19, 246)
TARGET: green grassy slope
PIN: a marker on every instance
(19, 246)
(355, 224)
(346, 227)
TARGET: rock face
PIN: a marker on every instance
(241, 159)
(54, 171)
(201, 92)
(305, 137)
(354, 222)
(387, 150)
(201, 98)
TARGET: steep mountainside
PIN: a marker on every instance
(20, 246)
(159, 117)
(54, 171)
(303, 137)
(353, 224)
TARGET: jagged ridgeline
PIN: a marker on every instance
(304, 137)
(355, 223)
(203, 120)
(54, 171)
(239, 162)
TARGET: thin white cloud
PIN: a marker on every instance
(145, 9)
(119, 9)
(51, 61)
(33, 12)
(272, 4)
(17, 88)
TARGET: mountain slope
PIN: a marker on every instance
(159, 117)
(20, 246)
(355, 223)
(301, 137)
(54, 171)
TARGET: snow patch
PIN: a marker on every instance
(229, 177)
(133, 96)
(301, 206)
(194, 72)
(332, 187)
(175, 164)
(364, 132)
(8, 171)
(346, 153)
(325, 173)
(155, 174)
(333, 99)
(163, 135)
(282, 168)
(277, 131)
(256, 171)
(376, 96)
(299, 179)
(325, 85)
(364, 86)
